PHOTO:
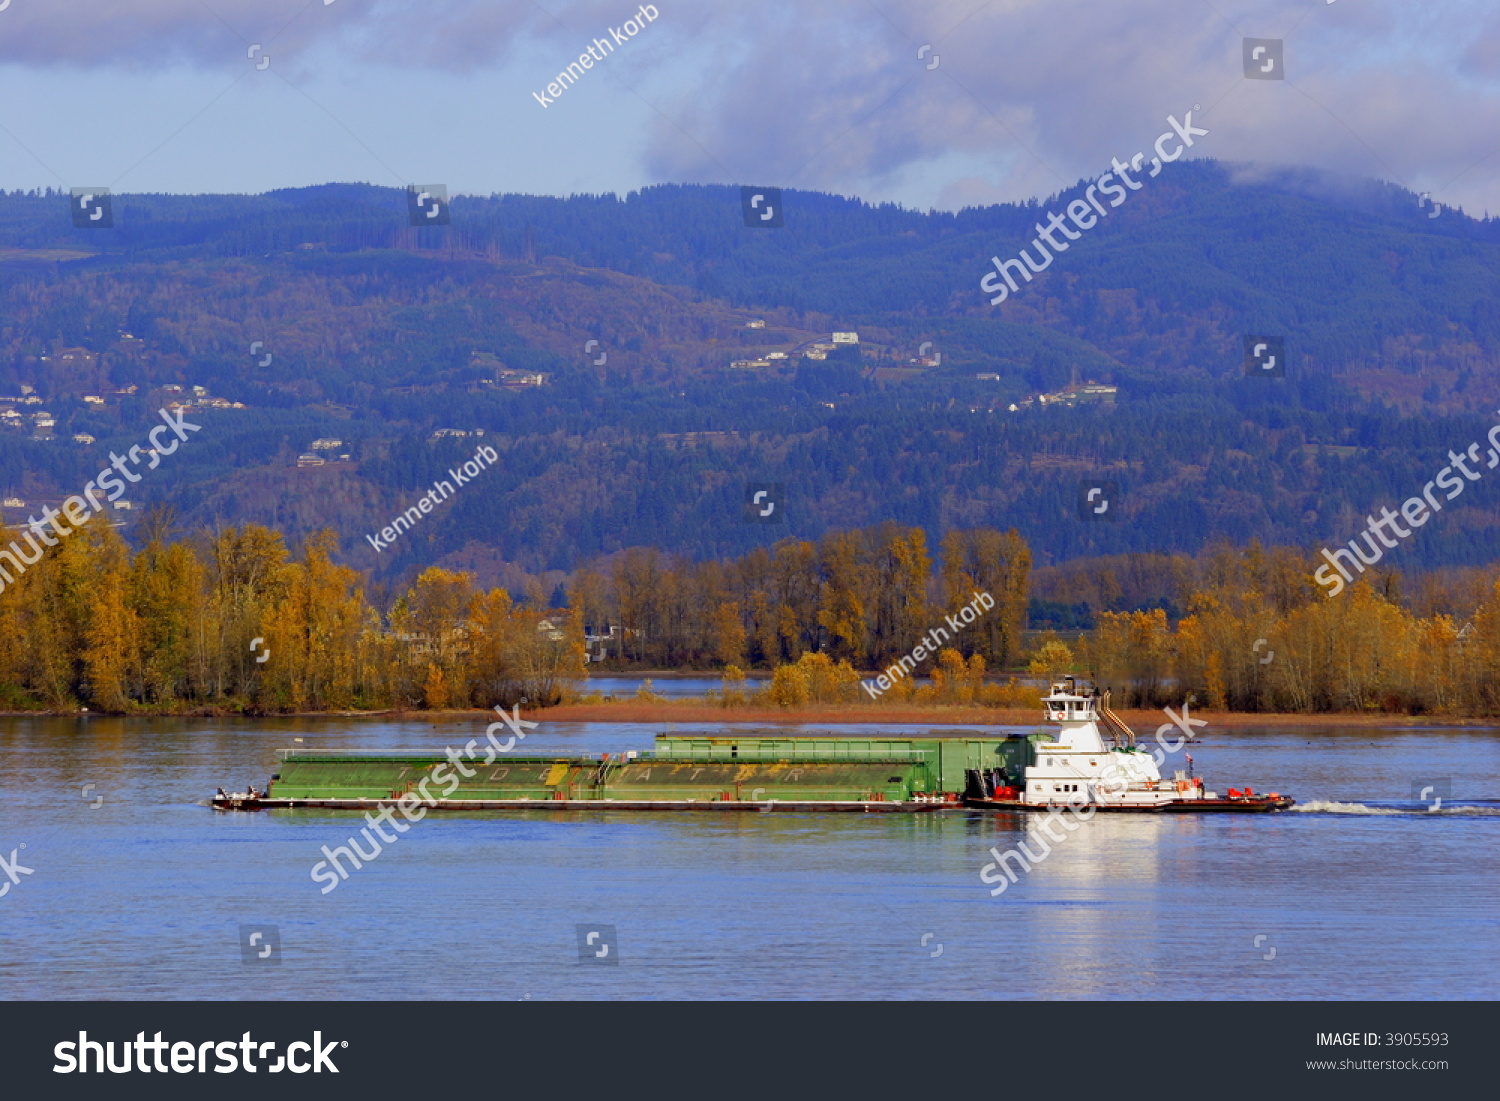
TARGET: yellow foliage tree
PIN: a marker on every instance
(1052, 657)
(435, 689)
(788, 686)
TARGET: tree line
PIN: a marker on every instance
(1258, 635)
(865, 597)
(230, 620)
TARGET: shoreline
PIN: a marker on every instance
(1144, 722)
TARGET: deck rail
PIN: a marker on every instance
(1122, 736)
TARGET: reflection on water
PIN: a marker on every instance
(143, 895)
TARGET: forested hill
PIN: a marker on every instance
(1340, 264)
(379, 335)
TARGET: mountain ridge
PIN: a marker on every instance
(382, 334)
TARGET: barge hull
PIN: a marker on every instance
(1184, 806)
(1230, 806)
(741, 774)
(871, 807)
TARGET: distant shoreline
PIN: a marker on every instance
(1143, 722)
(708, 714)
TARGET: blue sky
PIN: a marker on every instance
(1026, 95)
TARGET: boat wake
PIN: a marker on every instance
(1410, 810)
(1324, 806)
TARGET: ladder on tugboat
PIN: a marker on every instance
(1122, 736)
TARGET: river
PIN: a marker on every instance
(137, 889)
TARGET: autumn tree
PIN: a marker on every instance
(899, 570)
(987, 561)
(168, 593)
(110, 629)
(1052, 657)
(842, 609)
(728, 632)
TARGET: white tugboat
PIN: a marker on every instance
(1078, 767)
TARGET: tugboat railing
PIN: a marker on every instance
(1120, 734)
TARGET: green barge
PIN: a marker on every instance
(683, 772)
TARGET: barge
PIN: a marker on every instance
(766, 771)
(707, 772)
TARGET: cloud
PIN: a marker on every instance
(1027, 95)
(144, 34)
(448, 35)
(1050, 90)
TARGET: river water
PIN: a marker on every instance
(1369, 889)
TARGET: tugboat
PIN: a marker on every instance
(1077, 768)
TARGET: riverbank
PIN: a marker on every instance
(630, 710)
(1143, 722)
